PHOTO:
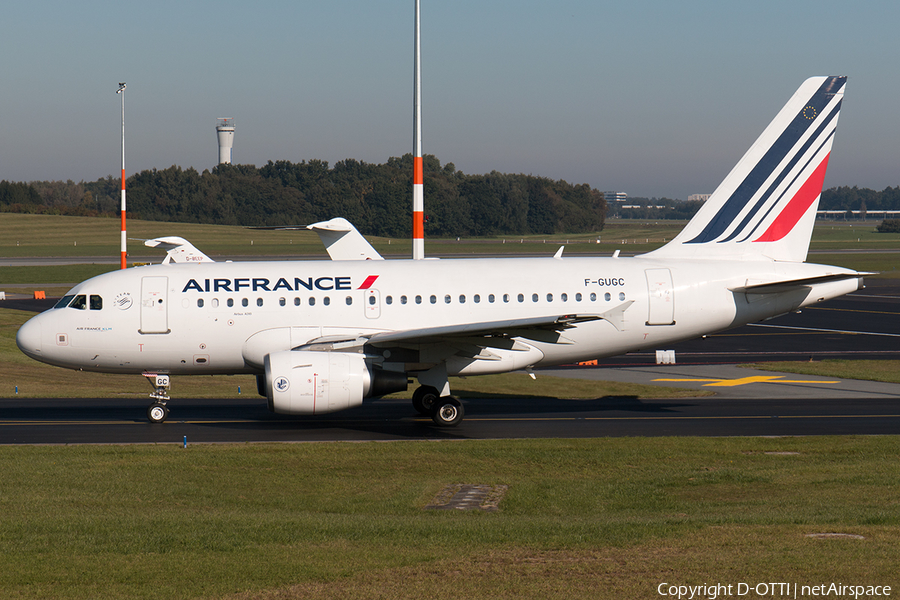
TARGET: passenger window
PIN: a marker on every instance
(621, 295)
(402, 299)
(215, 303)
(418, 299)
(593, 297)
(230, 302)
(447, 299)
(607, 297)
(199, 302)
(433, 299)
(506, 297)
(534, 297)
(578, 297)
(296, 301)
(564, 297)
(312, 301)
(282, 302)
(245, 302)
(349, 300)
(549, 297)
(388, 300)
(80, 302)
(64, 301)
(476, 298)
(462, 299)
(326, 300)
(259, 301)
(491, 298)
(521, 297)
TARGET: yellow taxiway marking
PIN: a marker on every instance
(743, 380)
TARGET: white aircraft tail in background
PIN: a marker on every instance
(178, 250)
(343, 241)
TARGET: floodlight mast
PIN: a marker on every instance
(123, 249)
(418, 249)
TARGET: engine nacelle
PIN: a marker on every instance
(313, 383)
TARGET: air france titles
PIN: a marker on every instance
(263, 284)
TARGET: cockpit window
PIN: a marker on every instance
(80, 302)
(64, 301)
(96, 302)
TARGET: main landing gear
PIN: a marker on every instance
(445, 411)
(157, 412)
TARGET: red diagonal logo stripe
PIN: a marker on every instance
(368, 282)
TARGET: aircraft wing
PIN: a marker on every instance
(535, 327)
(778, 287)
(547, 329)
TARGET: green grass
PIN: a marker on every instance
(868, 370)
(46, 235)
(609, 518)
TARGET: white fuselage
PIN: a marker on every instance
(216, 318)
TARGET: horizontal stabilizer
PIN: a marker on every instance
(778, 287)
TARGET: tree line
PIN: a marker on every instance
(837, 198)
(376, 198)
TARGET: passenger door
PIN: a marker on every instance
(154, 305)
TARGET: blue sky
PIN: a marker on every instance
(652, 98)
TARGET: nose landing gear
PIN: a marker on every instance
(157, 412)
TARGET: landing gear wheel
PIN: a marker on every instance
(157, 412)
(447, 412)
(423, 400)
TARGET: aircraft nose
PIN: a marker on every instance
(29, 337)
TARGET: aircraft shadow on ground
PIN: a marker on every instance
(389, 418)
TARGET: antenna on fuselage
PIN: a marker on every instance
(418, 249)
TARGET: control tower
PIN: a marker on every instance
(225, 133)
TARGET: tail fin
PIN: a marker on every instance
(766, 206)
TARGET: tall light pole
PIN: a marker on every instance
(418, 249)
(121, 91)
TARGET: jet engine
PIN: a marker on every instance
(312, 383)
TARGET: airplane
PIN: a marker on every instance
(324, 335)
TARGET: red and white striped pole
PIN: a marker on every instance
(418, 250)
(123, 246)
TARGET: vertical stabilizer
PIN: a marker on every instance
(766, 206)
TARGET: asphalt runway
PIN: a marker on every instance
(865, 324)
(751, 403)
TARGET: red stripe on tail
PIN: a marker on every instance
(797, 207)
